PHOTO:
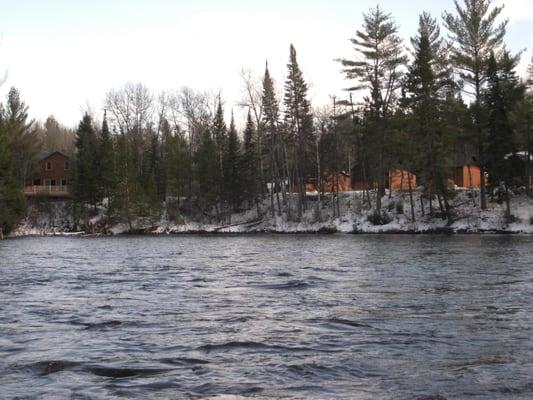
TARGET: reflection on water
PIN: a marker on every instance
(266, 316)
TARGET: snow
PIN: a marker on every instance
(468, 218)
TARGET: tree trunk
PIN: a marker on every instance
(411, 196)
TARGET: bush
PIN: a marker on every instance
(399, 208)
(379, 219)
(511, 219)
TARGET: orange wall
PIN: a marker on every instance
(399, 180)
(468, 177)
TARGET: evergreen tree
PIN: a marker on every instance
(299, 126)
(232, 169)
(220, 137)
(377, 70)
(428, 80)
(475, 34)
(528, 136)
(207, 171)
(270, 107)
(106, 161)
(85, 185)
(127, 192)
(23, 138)
(11, 196)
(219, 127)
(251, 179)
(501, 96)
(177, 162)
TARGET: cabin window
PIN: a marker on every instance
(48, 165)
(37, 182)
(66, 165)
(64, 182)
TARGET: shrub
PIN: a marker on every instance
(379, 219)
(399, 207)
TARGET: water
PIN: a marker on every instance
(310, 317)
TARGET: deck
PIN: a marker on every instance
(47, 191)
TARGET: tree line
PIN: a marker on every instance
(443, 102)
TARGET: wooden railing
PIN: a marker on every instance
(53, 191)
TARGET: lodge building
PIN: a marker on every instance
(51, 178)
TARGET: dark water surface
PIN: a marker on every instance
(310, 317)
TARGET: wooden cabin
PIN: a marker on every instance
(360, 185)
(51, 177)
(399, 180)
(468, 176)
(341, 182)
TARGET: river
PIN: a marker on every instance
(267, 316)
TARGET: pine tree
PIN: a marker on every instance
(475, 34)
(24, 142)
(176, 160)
(428, 80)
(127, 191)
(219, 127)
(86, 163)
(11, 197)
(271, 130)
(251, 179)
(377, 70)
(528, 140)
(207, 171)
(501, 97)
(106, 161)
(232, 169)
(220, 136)
(299, 127)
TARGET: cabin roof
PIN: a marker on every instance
(54, 153)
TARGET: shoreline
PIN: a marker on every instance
(324, 232)
(54, 219)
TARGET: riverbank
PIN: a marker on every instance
(54, 218)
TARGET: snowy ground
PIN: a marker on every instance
(54, 219)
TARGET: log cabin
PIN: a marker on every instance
(467, 176)
(402, 180)
(331, 183)
(51, 178)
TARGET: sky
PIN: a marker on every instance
(65, 55)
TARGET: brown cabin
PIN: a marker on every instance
(468, 176)
(402, 180)
(362, 185)
(341, 182)
(51, 178)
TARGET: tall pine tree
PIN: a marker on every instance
(232, 169)
(271, 131)
(207, 172)
(251, 179)
(298, 122)
(85, 186)
(377, 70)
(24, 141)
(428, 80)
(106, 161)
(11, 197)
(501, 97)
(475, 33)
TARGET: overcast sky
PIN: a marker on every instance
(66, 54)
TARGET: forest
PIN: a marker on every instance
(448, 96)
